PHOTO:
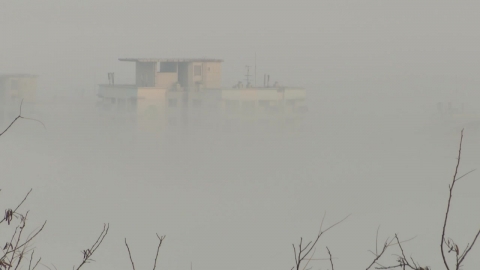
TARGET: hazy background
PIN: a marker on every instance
(374, 71)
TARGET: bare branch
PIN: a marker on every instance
(129, 254)
(20, 116)
(89, 252)
(302, 253)
(465, 252)
(450, 200)
(20, 204)
(331, 261)
(160, 238)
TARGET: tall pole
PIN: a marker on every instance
(255, 82)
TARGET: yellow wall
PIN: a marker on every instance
(166, 79)
(22, 87)
(151, 108)
(212, 74)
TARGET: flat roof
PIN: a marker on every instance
(18, 75)
(176, 60)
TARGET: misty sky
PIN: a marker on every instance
(74, 44)
(374, 72)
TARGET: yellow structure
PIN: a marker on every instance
(13, 89)
(188, 74)
(186, 92)
(18, 86)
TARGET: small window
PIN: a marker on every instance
(168, 67)
(172, 103)
(197, 70)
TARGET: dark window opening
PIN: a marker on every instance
(168, 67)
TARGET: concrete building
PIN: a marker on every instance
(187, 74)
(188, 92)
(18, 86)
(13, 89)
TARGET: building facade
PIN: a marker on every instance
(13, 89)
(171, 93)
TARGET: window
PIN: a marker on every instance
(197, 70)
(172, 103)
(168, 67)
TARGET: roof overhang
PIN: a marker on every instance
(175, 60)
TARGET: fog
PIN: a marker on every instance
(372, 143)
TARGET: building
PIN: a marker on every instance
(13, 89)
(188, 92)
(187, 74)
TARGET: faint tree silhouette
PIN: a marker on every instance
(19, 247)
(402, 262)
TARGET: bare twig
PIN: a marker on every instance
(18, 206)
(450, 243)
(302, 253)
(160, 238)
(31, 259)
(20, 116)
(89, 252)
(331, 261)
(129, 254)
(377, 255)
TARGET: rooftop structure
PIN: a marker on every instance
(17, 75)
(13, 89)
(175, 60)
(175, 73)
(22, 86)
(183, 91)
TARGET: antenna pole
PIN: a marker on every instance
(248, 75)
(255, 83)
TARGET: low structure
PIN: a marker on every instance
(13, 89)
(174, 92)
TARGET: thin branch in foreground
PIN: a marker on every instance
(129, 254)
(12, 212)
(379, 255)
(20, 116)
(160, 238)
(31, 259)
(302, 253)
(89, 252)
(331, 261)
(450, 243)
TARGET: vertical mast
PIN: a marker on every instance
(255, 82)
